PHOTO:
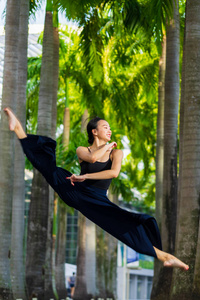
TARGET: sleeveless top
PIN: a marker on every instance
(98, 166)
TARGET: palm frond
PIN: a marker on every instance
(76, 9)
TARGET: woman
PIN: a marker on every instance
(87, 192)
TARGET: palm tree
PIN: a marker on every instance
(49, 260)
(39, 237)
(187, 242)
(17, 253)
(170, 183)
(81, 290)
(62, 219)
(160, 154)
(9, 98)
(61, 207)
(59, 238)
(60, 256)
(169, 205)
(90, 260)
(55, 67)
(81, 283)
(90, 264)
(106, 260)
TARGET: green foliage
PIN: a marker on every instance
(122, 185)
(92, 46)
(182, 7)
(135, 171)
(34, 5)
(160, 12)
(67, 158)
(33, 83)
(77, 9)
(114, 74)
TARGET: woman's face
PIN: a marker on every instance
(103, 131)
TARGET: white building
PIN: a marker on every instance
(133, 281)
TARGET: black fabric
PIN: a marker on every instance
(138, 231)
(98, 166)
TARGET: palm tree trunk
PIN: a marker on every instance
(84, 120)
(54, 116)
(54, 122)
(186, 285)
(110, 263)
(160, 157)
(106, 261)
(17, 253)
(66, 128)
(38, 264)
(62, 226)
(9, 98)
(81, 287)
(46, 80)
(170, 133)
(61, 251)
(81, 291)
(169, 210)
(90, 265)
(62, 215)
(55, 69)
(90, 252)
(160, 135)
(181, 125)
(111, 259)
(48, 280)
(100, 251)
(66, 122)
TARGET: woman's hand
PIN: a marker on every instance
(76, 178)
(111, 146)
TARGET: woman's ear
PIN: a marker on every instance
(94, 131)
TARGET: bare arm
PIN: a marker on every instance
(113, 172)
(91, 157)
(107, 174)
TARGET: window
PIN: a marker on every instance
(139, 287)
(72, 235)
(149, 287)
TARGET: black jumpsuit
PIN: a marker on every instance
(138, 231)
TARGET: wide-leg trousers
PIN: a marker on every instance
(138, 231)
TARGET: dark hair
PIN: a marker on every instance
(92, 124)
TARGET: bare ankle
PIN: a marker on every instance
(20, 132)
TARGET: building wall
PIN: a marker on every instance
(134, 284)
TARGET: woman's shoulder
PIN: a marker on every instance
(117, 153)
(83, 153)
(82, 148)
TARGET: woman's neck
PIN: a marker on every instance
(97, 144)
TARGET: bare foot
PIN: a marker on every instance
(174, 262)
(13, 121)
(170, 261)
(14, 124)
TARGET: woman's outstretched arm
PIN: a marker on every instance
(107, 174)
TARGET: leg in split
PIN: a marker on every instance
(41, 156)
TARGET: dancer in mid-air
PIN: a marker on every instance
(87, 192)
